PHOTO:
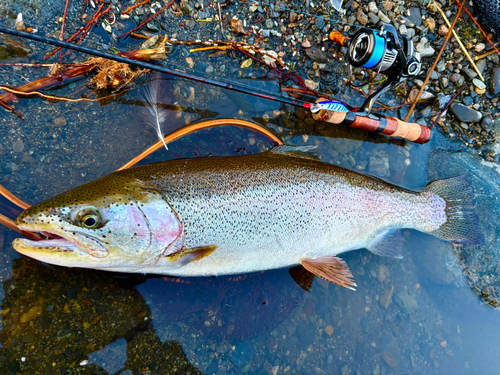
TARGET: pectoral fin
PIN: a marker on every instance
(193, 254)
(332, 269)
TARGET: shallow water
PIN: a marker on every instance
(411, 316)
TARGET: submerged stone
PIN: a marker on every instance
(11, 47)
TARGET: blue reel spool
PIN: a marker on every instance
(367, 49)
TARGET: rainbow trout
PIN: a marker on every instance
(231, 215)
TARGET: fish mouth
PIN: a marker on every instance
(59, 243)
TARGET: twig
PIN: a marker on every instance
(462, 47)
(83, 29)
(435, 121)
(148, 20)
(10, 109)
(480, 29)
(486, 54)
(53, 97)
(220, 20)
(135, 6)
(448, 36)
(61, 37)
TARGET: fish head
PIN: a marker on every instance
(113, 224)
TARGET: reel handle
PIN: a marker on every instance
(389, 126)
(393, 127)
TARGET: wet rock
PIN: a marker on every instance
(190, 62)
(406, 301)
(373, 18)
(386, 299)
(316, 54)
(384, 18)
(426, 96)
(487, 123)
(305, 334)
(187, 8)
(237, 26)
(320, 22)
(495, 81)
(479, 84)
(465, 114)
(430, 23)
(242, 354)
(378, 166)
(415, 17)
(311, 85)
(443, 31)
(11, 47)
(150, 42)
(293, 16)
(372, 7)
(390, 349)
(18, 146)
(424, 48)
(269, 23)
(31, 314)
(362, 17)
(59, 121)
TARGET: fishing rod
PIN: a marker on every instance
(334, 112)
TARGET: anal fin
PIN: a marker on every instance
(388, 244)
(193, 254)
(302, 277)
(332, 269)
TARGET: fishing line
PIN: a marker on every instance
(310, 15)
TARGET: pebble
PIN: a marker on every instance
(479, 47)
(320, 22)
(150, 42)
(306, 44)
(487, 123)
(362, 17)
(59, 121)
(315, 54)
(373, 18)
(430, 23)
(406, 301)
(424, 48)
(465, 114)
(190, 62)
(237, 26)
(495, 81)
(209, 69)
(329, 330)
(372, 7)
(18, 146)
(269, 23)
(384, 18)
(479, 84)
(378, 166)
(443, 31)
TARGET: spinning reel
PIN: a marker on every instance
(386, 52)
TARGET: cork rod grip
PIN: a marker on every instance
(394, 127)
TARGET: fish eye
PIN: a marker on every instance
(89, 218)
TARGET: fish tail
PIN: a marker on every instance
(462, 223)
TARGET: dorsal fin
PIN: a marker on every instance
(304, 152)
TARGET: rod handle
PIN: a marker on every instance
(394, 127)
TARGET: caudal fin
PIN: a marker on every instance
(462, 224)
